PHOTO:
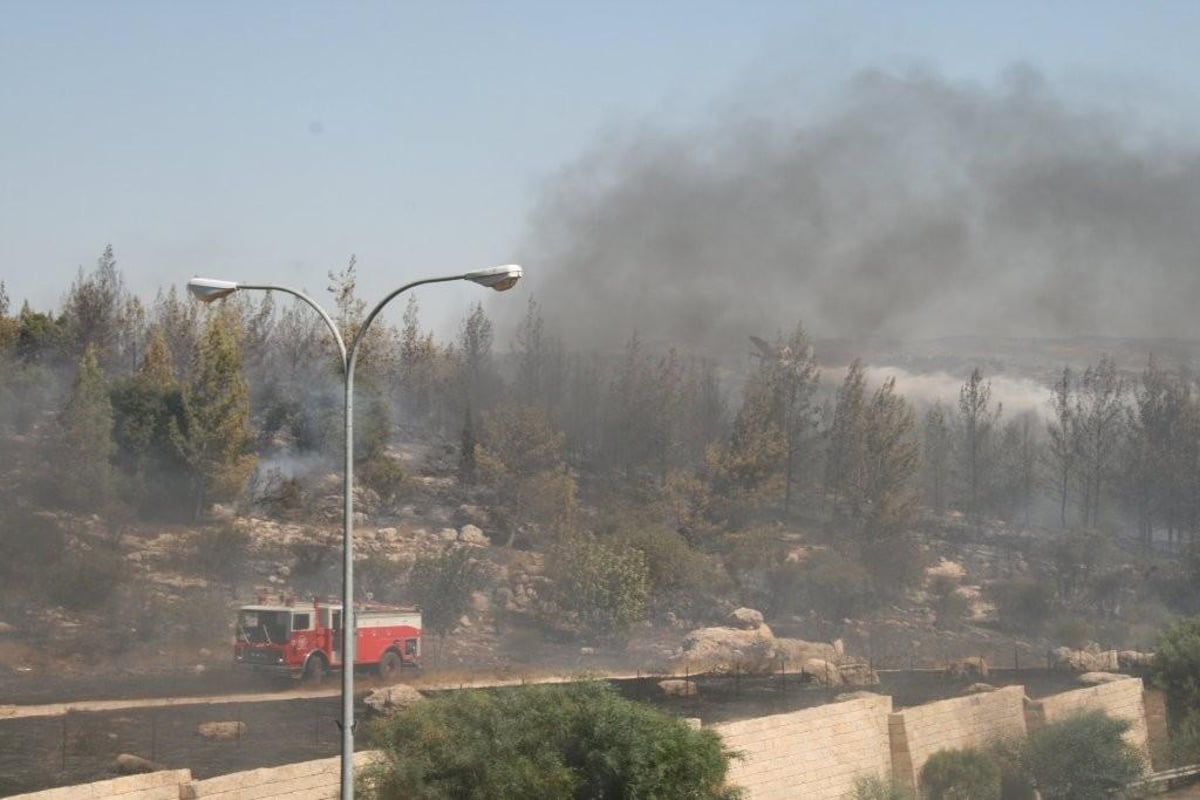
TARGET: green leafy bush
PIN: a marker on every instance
(873, 787)
(383, 475)
(598, 589)
(1176, 667)
(965, 774)
(579, 741)
(1084, 757)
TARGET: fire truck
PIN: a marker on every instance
(305, 640)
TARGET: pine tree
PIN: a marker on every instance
(977, 420)
(891, 464)
(844, 462)
(935, 463)
(215, 438)
(1099, 415)
(86, 443)
(1063, 450)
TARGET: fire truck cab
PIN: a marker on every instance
(305, 640)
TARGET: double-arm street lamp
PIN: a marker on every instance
(210, 289)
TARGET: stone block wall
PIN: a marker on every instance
(1120, 699)
(150, 786)
(307, 780)
(971, 721)
(816, 753)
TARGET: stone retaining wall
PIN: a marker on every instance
(971, 721)
(150, 786)
(816, 753)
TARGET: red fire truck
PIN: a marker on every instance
(305, 641)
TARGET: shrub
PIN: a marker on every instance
(960, 775)
(873, 787)
(1176, 667)
(383, 475)
(85, 580)
(836, 587)
(1021, 605)
(577, 741)
(442, 584)
(895, 564)
(1084, 757)
(680, 578)
(221, 554)
(949, 605)
(1071, 631)
(598, 589)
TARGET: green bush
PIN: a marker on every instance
(442, 585)
(598, 589)
(960, 775)
(1176, 667)
(579, 741)
(1084, 757)
(383, 475)
(873, 787)
(680, 578)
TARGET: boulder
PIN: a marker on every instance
(470, 534)
(970, 667)
(1133, 659)
(858, 673)
(797, 651)
(128, 764)
(715, 648)
(1089, 659)
(678, 688)
(858, 695)
(980, 688)
(221, 730)
(746, 619)
(391, 699)
(822, 672)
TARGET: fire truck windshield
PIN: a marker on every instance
(263, 627)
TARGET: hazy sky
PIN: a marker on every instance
(268, 141)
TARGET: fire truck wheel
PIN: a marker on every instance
(316, 670)
(390, 666)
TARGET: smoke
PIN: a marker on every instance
(915, 207)
(1015, 395)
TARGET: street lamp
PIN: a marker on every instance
(209, 289)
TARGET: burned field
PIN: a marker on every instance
(81, 746)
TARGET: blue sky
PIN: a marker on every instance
(268, 141)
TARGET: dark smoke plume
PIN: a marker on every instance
(916, 208)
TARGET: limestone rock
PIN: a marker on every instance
(128, 764)
(221, 730)
(980, 688)
(971, 667)
(823, 672)
(1089, 659)
(746, 619)
(471, 534)
(797, 651)
(858, 673)
(391, 699)
(1133, 659)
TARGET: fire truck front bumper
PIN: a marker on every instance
(278, 670)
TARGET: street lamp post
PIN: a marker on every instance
(210, 289)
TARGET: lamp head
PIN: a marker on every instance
(498, 278)
(209, 289)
